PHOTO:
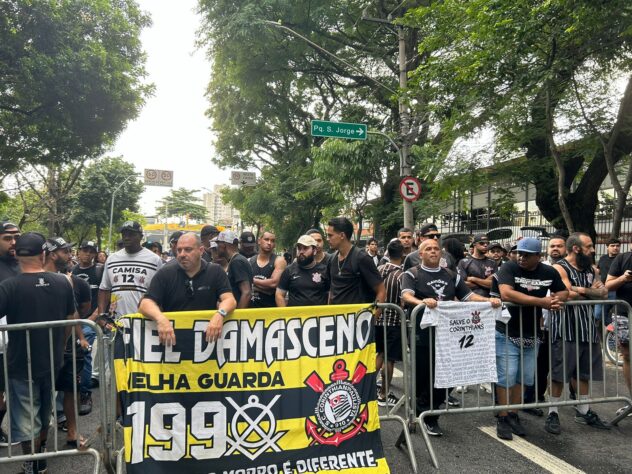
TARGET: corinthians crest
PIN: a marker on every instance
(337, 412)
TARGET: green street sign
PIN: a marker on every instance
(348, 131)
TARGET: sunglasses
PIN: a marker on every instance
(432, 236)
(188, 287)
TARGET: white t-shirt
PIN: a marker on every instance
(465, 352)
(127, 276)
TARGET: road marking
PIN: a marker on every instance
(534, 454)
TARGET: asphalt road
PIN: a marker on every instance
(465, 446)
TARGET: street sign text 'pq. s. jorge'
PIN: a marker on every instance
(348, 131)
(158, 178)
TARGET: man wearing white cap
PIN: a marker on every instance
(304, 282)
(239, 270)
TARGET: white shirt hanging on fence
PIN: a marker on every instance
(465, 352)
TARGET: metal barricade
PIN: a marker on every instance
(391, 412)
(603, 391)
(48, 383)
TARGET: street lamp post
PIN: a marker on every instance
(404, 165)
(116, 190)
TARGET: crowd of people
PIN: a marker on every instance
(42, 280)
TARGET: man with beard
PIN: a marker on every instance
(477, 269)
(527, 284)
(428, 283)
(247, 244)
(574, 334)
(267, 270)
(239, 270)
(191, 284)
(557, 249)
(9, 267)
(305, 282)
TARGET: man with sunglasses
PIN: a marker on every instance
(190, 285)
(427, 231)
(9, 267)
(477, 269)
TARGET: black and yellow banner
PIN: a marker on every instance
(285, 390)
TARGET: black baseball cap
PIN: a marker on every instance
(495, 245)
(88, 244)
(247, 237)
(56, 243)
(30, 244)
(478, 238)
(209, 230)
(133, 226)
(428, 227)
(175, 236)
(7, 227)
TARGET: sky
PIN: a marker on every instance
(172, 132)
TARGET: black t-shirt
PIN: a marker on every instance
(621, 263)
(29, 298)
(305, 286)
(604, 266)
(9, 267)
(353, 279)
(438, 283)
(261, 298)
(480, 268)
(532, 283)
(239, 270)
(173, 290)
(81, 292)
(92, 275)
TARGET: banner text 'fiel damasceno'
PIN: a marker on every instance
(285, 390)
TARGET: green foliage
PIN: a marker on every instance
(182, 203)
(71, 77)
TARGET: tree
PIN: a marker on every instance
(91, 200)
(516, 66)
(182, 203)
(71, 75)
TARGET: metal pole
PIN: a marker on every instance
(116, 190)
(404, 117)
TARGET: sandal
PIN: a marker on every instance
(73, 443)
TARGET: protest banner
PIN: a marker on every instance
(284, 390)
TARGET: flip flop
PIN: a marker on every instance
(73, 443)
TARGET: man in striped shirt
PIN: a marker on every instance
(389, 322)
(574, 334)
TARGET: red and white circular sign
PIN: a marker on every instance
(410, 188)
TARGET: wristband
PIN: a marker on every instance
(222, 312)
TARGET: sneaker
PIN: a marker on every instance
(85, 404)
(453, 401)
(552, 423)
(378, 382)
(461, 389)
(4, 439)
(503, 428)
(28, 467)
(42, 465)
(592, 419)
(486, 387)
(390, 400)
(94, 383)
(516, 426)
(432, 427)
(533, 411)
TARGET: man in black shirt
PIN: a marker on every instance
(477, 269)
(247, 244)
(304, 282)
(239, 270)
(525, 283)
(353, 275)
(267, 270)
(33, 296)
(189, 285)
(208, 233)
(428, 283)
(427, 231)
(321, 255)
(613, 249)
(9, 267)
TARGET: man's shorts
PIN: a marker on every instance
(393, 341)
(21, 429)
(570, 350)
(64, 381)
(623, 333)
(510, 372)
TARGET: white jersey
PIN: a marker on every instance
(465, 352)
(127, 276)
